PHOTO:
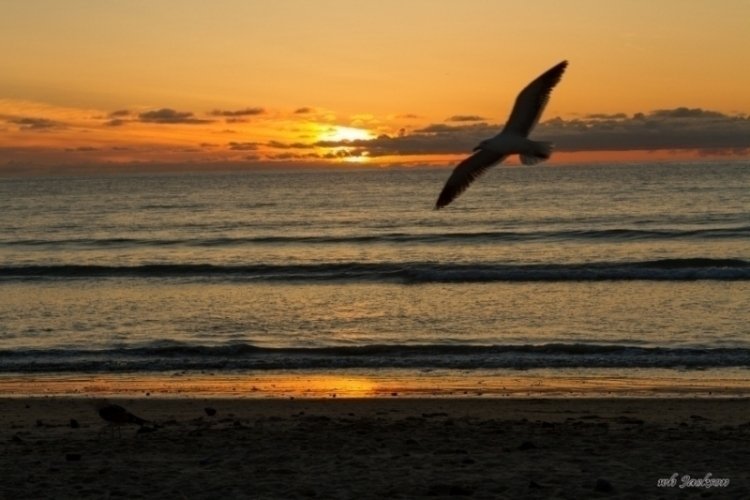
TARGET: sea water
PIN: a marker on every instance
(640, 266)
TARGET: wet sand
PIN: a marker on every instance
(376, 448)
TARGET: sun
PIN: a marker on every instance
(339, 133)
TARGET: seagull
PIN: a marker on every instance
(116, 415)
(513, 139)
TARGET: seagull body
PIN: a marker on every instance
(512, 140)
(531, 152)
(116, 415)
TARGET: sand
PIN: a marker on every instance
(377, 448)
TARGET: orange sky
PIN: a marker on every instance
(290, 82)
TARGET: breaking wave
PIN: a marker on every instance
(171, 356)
(407, 272)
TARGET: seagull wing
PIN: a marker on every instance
(531, 101)
(465, 173)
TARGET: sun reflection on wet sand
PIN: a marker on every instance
(394, 383)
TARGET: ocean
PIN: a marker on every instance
(545, 272)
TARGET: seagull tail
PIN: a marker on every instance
(540, 151)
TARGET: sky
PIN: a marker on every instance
(158, 84)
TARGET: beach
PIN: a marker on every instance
(58, 447)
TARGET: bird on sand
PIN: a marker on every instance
(513, 139)
(117, 416)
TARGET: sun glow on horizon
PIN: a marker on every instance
(339, 133)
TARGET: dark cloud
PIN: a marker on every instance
(235, 120)
(465, 118)
(605, 116)
(243, 146)
(34, 123)
(292, 156)
(289, 145)
(238, 112)
(303, 110)
(330, 155)
(169, 116)
(409, 116)
(83, 149)
(443, 129)
(679, 129)
(343, 153)
(686, 113)
(676, 129)
(409, 144)
(117, 118)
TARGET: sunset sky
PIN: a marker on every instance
(332, 82)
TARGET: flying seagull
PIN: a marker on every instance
(513, 139)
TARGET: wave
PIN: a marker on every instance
(176, 356)
(407, 272)
(615, 235)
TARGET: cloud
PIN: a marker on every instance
(289, 145)
(117, 118)
(169, 116)
(678, 129)
(34, 123)
(409, 144)
(473, 130)
(292, 156)
(330, 155)
(465, 118)
(605, 116)
(243, 146)
(672, 129)
(303, 110)
(686, 113)
(343, 153)
(83, 149)
(239, 112)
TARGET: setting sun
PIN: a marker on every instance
(339, 133)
